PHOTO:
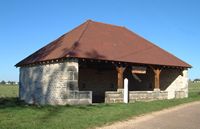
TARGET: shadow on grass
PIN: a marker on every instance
(15, 102)
(11, 102)
(8, 102)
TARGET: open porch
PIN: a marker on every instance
(146, 82)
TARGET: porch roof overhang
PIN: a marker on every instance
(113, 62)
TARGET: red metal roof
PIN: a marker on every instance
(95, 40)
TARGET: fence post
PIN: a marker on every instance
(125, 90)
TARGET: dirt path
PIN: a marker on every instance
(186, 116)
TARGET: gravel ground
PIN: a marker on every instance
(186, 116)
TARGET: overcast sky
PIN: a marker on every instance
(27, 25)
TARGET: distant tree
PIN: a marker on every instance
(11, 82)
(3, 82)
(197, 79)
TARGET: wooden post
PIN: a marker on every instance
(157, 72)
(120, 71)
(157, 79)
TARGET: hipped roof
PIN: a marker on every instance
(95, 40)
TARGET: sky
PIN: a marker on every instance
(27, 25)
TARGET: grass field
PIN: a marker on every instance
(17, 115)
(9, 91)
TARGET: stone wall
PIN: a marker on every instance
(117, 96)
(180, 94)
(51, 84)
(57, 83)
(147, 95)
(175, 82)
(113, 97)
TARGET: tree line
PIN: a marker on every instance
(8, 82)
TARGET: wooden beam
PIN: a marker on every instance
(157, 79)
(120, 78)
(157, 72)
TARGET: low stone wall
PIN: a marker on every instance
(147, 95)
(178, 88)
(117, 96)
(113, 97)
(180, 94)
(75, 97)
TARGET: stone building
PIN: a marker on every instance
(88, 65)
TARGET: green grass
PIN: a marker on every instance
(17, 115)
(8, 91)
(194, 87)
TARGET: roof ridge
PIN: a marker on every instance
(84, 30)
(79, 38)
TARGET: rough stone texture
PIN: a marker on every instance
(178, 88)
(179, 94)
(52, 84)
(117, 96)
(113, 97)
(147, 95)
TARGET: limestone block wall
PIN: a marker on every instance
(117, 96)
(113, 97)
(51, 83)
(177, 83)
(147, 95)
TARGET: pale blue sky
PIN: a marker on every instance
(27, 25)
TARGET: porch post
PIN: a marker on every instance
(120, 71)
(157, 79)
